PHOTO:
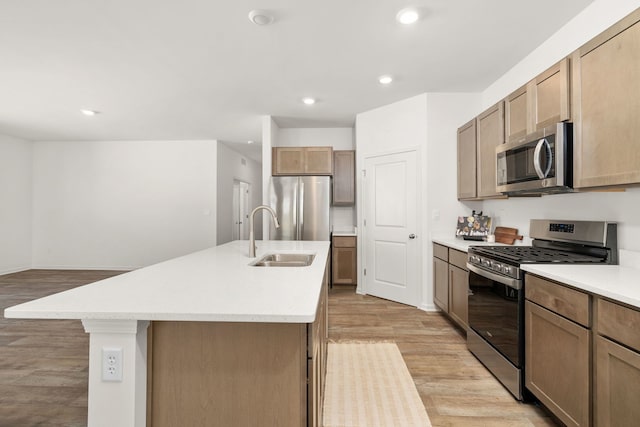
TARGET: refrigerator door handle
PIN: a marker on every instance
(301, 207)
(295, 210)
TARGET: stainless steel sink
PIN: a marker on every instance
(284, 260)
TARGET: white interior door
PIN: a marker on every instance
(245, 206)
(391, 215)
(240, 207)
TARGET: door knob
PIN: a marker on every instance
(412, 236)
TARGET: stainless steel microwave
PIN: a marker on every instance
(541, 163)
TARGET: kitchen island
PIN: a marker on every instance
(229, 344)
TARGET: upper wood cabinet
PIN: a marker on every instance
(606, 99)
(302, 161)
(344, 178)
(550, 100)
(490, 134)
(541, 102)
(467, 161)
(516, 115)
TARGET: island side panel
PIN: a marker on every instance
(228, 374)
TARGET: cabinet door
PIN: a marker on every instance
(318, 160)
(516, 117)
(490, 135)
(344, 178)
(288, 161)
(441, 284)
(549, 93)
(606, 100)
(459, 288)
(617, 385)
(467, 161)
(344, 266)
(557, 364)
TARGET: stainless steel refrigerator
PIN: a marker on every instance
(302, 204)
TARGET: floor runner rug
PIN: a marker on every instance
(369, 385)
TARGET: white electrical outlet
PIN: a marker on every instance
(111, 364)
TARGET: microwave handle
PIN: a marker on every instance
(536, 158)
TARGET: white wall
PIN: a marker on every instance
(15, 204)
(338, 138)
(594, 19)
(122, 205)
(445, 112)
(343, 217)
(234, 166)
(270, 134)
(394, 127)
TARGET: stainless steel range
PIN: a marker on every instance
(496, 288)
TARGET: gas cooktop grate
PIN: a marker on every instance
(530, 254)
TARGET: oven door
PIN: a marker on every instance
(496, 305)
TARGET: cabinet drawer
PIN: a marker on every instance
(441, 252)
(619, 323)
(458, 258)
(572, 304)
(344, 242)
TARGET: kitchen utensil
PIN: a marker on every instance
(507, 235)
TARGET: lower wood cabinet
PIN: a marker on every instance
(582, 349)
(558, 349)
(238, 374)
(617, 365)
(451, 283)
(344, 260)
(441, 284)
(458, 295)
(617, 385)
(557, 364)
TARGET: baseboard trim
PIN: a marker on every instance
(14, 270)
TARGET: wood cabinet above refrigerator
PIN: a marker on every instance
(302, 161)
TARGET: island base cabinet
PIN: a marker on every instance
(558, 364)
(617, 385)
(228, 374)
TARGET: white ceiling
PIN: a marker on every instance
(198, 69)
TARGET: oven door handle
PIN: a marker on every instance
(508, 281)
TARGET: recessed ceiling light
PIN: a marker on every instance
(89, 112)
(407, 16)
(249, 142)
(385, 80)
(260, 17)
(309, 101)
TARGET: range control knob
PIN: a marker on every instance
(485, 262)
(506, 269)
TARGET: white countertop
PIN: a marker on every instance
(617, 282)
(216, 284)
(611, 281)
(345, 231)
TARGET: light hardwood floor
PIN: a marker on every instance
(43, 364)
(455, 388)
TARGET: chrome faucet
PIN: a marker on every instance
(252, 237)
